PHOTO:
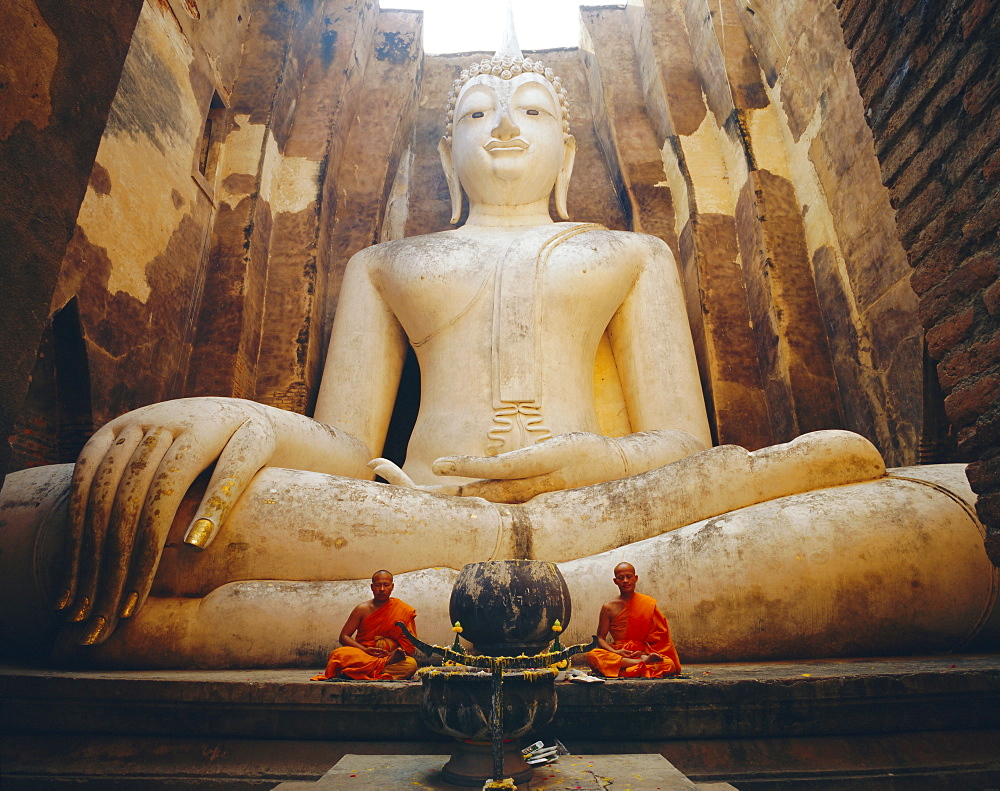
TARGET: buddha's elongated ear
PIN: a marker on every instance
(451, 176)
(562, 180)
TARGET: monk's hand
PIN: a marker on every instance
(130, 479)
(566, 461)
(376, 652)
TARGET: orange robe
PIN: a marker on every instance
(377, 630)
(640, 626)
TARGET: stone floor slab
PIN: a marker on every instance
(634, 772)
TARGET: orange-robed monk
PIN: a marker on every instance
(640, 645)
(380, 651)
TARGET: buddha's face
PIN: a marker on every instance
(508, 144)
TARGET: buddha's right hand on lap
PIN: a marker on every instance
(133, 473)
(566, 461)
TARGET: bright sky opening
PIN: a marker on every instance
(475, 25)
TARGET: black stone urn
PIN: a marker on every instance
(507, 607)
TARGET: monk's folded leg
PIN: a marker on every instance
(650, 669)
(352, 663)
(401, 670)
(607, 663)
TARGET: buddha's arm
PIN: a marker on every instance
(651, 340)
(365, 359)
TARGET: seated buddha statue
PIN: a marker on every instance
(519, 451)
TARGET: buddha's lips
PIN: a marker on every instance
(502, 145)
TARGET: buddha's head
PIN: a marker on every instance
(507, 140)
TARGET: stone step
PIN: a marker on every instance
(719, 701)
(818, 725)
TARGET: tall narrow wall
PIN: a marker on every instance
(929, 77)
(61, 64)
(296, 97)
(134, 263)
(795, 281)
(202, 251)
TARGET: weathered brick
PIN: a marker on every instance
(977, 97)
(949, 333)
(933, 266)
(964, 70)
(992, 544)
(929, 237)
(991, 298)
(847, 9)
(970, 361)
(939, 64)
(918, 168)
(969, 277)
(894, 58)
(943, 226)
(988, 511)
(992, 167)
(942, 20)
(977, 11)
(971, 148)
(899, 153)
(980, 436)
(857, 20)
(918, 210)
(986, 219)
(966, 403)
(973, 274)
(874, 37)
(984, 474)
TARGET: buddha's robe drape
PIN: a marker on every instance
(377, 630)
(640, 626)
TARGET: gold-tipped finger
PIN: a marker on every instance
(128, 608)
(64, 599)
(81, 612)
(200, 533)
(93, 632)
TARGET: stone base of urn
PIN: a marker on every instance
(471, 764)
(457, 703)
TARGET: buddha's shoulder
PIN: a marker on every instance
(411, 247)
(633, 240)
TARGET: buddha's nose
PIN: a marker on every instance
(506, 129)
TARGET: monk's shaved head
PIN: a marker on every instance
(382, 571)
(624, 567)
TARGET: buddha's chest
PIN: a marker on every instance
(582, 278)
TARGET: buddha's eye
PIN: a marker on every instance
(478, 114)
(532, 112)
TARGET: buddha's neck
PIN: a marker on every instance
(527, 215)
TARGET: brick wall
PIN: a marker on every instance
(929, 77)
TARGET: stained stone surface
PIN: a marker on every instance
(858, 723)
(587, 772)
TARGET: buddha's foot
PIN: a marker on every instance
(396, 656)
(652, 659)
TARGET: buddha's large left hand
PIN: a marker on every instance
(566, 461)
